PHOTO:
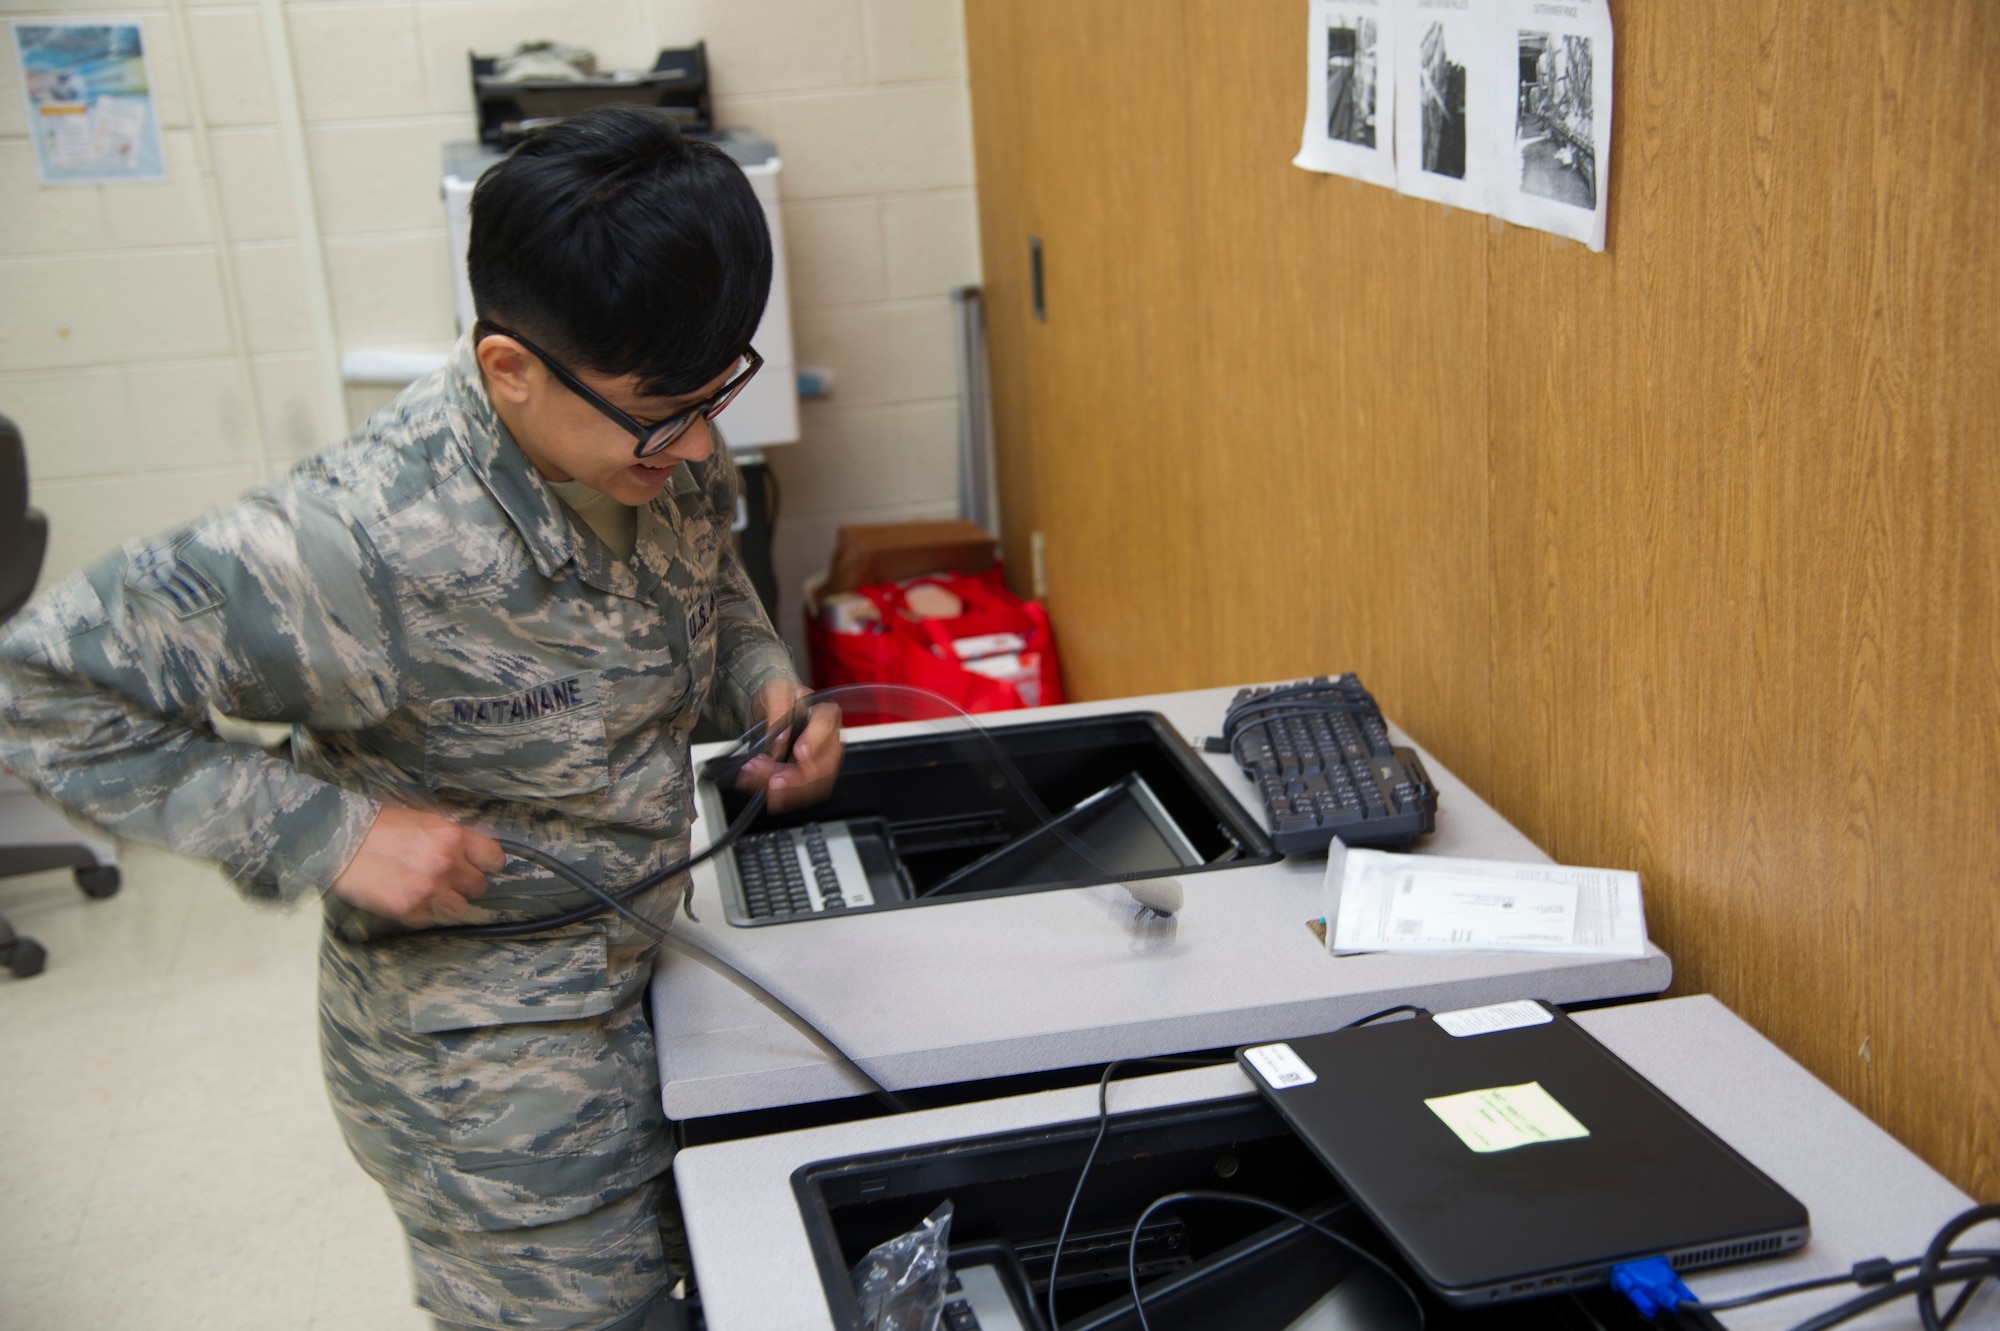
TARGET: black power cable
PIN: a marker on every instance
(607, 900)
(1924, 1285)
(720, 770)
(775, 742)
(791, 1016)
(1939, 1267)
(1104, 1124)
(1964, 1297)
(1875, 1272)
(1238, 1199)
(1935, 1256)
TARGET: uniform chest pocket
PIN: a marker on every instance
(545, 741)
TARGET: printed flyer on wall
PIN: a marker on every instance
(1445, 77)
(1558, 121)
(1350, 100)
(1494, 106)
(90, 103)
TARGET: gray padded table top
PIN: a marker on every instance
(996, 987)
(1868, 1195)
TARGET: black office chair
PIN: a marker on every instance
(24, 537)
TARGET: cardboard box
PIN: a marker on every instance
(892, 551)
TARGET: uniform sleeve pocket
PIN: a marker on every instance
(545, 741)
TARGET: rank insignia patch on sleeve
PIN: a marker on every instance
(162, 572)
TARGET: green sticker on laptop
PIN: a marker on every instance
(1504, 1117)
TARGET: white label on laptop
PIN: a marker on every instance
(1280, 1067)
(1499, 1017)
(1504, 1117)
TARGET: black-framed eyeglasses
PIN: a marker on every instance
(660, 434)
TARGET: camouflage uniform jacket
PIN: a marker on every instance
(441, 632)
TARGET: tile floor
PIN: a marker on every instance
(167, 1157)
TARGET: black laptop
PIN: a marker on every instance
(1507, 1154)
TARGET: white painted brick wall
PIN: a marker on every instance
(117, 356)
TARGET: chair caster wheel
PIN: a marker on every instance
(24, 957)
(98, 882)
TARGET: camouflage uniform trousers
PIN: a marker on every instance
(527, 1160)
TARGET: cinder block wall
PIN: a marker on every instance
(148, 394)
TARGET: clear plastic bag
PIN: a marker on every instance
(900, 1283)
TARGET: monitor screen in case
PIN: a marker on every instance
(1121, 830)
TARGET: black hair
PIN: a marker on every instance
(617, 245)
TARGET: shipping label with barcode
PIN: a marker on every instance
(1497, 1017)
(1279, 1066)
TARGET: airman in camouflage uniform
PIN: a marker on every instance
(444, 634)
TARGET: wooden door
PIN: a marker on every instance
(1684, 554)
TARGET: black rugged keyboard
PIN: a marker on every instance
(1320, 754)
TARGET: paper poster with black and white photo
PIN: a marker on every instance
(1446, 139)
(90, 102)
(1350, 99)
(1557, 114)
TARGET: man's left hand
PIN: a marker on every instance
(808, 777)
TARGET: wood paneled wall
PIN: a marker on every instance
(1684, 554)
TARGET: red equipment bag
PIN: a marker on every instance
(1007, 661)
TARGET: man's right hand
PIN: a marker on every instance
(418, 868)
